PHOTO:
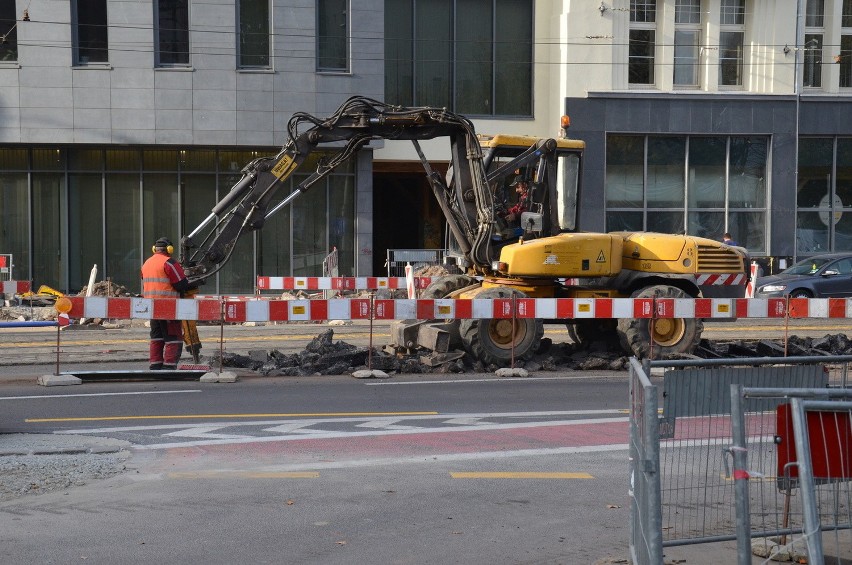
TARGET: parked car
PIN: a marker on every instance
(820, 276)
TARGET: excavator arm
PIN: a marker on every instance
(467, 201)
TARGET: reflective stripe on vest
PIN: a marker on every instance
(155, 283)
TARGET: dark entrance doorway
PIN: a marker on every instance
(405, 214)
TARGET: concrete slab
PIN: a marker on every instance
(223, 377)
(370, 374)
(508, 372)
(59, 380)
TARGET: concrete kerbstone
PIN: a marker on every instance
(509, 372)
(370, 374)
(59, 380)
(223, 377)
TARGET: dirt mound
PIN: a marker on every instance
(106, 288)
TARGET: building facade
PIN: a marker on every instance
(123, 121)
(714, 116)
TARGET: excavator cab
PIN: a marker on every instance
(553, 174)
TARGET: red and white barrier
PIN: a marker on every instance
(544, 308)
(14, 287)
(339, 283)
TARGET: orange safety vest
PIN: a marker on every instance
(155, 283)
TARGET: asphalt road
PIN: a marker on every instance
(413, 469)
(24, 351)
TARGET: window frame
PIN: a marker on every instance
(77, 56)
(159, 41)
(343, 41)
(408, 61)
(643, 19)
(242, 37)
(732, 25)
(9, 21)
(689, 10)
(813, 54)
(632, 206)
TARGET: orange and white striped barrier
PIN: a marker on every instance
(339, 283)
(544, 308)
(14, 287)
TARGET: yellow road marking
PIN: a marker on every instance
(243, 475)
(518, 475)
(201, 416)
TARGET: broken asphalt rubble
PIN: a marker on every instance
(324, 356)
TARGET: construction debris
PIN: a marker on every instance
(324, 356)
(106, 288)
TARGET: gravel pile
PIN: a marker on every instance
(32, 464)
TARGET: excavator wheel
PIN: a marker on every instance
(446, 285)
(585, 332)
(492, 341)
(670, 335)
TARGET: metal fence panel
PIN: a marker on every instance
(5, 267)
(645, 525)
(398, 258)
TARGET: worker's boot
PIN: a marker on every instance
(155, 355)
(171, 355)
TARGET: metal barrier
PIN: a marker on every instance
(698, 500)
(398, 258)
(768, 472)
(6, 267)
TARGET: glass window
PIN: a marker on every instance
(48, 226)
(513, 53)
(274, 240)
(15, 220)
(641, 57)
(332, 35)
(160, 209)
(122, 160)
(474, 59)
(846, 61)
(747, 172)
(625, 177)
(643, 11)
(732, 12)
(254, 33)
(688, 12)
(85, 159)
(172, 39)
(9, 30)
(123, 222)
(473, 56)
(666, 168)
(341, 225)
(90, 34)
(686, 52)
(707, 171)
(731, 58)
(714, 184)
(815, 13)
(812, 74)
(48, 159)
(85, 229)
(846, 16)
(814, 180)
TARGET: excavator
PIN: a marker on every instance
(541, 254)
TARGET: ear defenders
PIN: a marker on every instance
(163, 243)
(169, 249)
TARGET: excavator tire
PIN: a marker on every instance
(446, 285)
(585, 332)
(671, 335)
(491, 341)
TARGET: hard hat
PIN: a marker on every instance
(518, 179)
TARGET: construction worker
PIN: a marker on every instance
(163, 277)
(513, 214)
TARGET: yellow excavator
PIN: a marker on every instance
(541, 254)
